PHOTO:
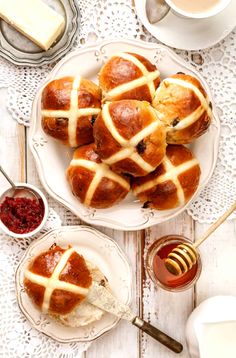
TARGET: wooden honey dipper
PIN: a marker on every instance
(184, 256)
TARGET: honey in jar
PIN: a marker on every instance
(155, 263)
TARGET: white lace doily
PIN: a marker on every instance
(17, 337)
(117, 19)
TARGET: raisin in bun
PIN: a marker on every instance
(93, 182)
(184, 107)
(128, 76)
(173, 183)
(58, 281)
(129, 137)
(69, 107)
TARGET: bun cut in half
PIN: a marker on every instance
(58, 281)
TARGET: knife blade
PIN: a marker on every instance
(99, 296)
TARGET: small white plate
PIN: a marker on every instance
(97, 248)
(52, 158)
(190, 34)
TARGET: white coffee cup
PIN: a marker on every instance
(220, 6)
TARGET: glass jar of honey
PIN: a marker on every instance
(155, 265)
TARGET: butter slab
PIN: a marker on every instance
(34, 19)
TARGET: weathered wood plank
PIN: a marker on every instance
(12, 148)
(218, 255)
(123, 340)
(166, 310)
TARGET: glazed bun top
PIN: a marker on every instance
(129, 76)
(129, 137)
(69, 105)
(173, 182)
(57, 280)
(184, 107)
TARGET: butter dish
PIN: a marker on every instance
(20, 50)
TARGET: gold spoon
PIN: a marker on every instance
(184, 256)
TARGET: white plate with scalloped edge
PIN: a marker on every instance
(94, 247)
(52, 158)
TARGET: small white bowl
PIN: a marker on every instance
(37, 193)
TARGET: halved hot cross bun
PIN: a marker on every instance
(93, 182)
(173, 183)
(184, 107)
(129, 137)
(57, 280)
(128, 76)
(69, 108)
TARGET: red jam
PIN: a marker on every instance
(21, 215)
(164, 276)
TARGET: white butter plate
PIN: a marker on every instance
(190, 34)
(97, 248)
(19, 50)
(52, 158)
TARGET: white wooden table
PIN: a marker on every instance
(168, 311)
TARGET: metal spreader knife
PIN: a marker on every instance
(99, 296)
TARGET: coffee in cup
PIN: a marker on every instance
(198, 8)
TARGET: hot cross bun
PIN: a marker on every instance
(69, 107)
(184, 107)
(128, 76)
(57, 280)
(93, 182)
(129, 137)
(173, 183)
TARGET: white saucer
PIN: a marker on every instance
(190, 34)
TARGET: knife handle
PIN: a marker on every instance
(158, 335)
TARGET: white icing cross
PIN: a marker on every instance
(172, 173)
(148, 78)
(73, 113)
(54, 283)
(193, 117)
(128, 146)
(101, 171)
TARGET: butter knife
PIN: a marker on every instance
(99, 296)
